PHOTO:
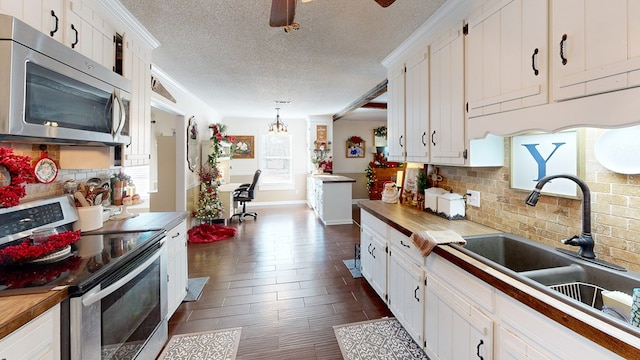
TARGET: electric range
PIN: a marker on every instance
(89, 260)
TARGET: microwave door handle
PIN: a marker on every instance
(122, 114)
(115, 113)
(91, 299)
(118, 116)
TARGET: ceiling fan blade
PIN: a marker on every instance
(282, 12)
(384, 3)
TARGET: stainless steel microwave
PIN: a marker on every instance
(52, 94)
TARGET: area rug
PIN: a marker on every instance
(205, 233)
(194, 288)
(353, 267)
(377, 339)
(210, 345)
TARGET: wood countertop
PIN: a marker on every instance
(407, 220)
(144, 221)
(17, 310)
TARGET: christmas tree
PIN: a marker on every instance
(209, 204)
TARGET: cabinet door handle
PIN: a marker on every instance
(73, 44)
(415, 293)
(403, 244)
(433, 141)
(562, 42)
(423, 135)
(372, 254)
(400, 140)
(175, 236)
(55, 28)
(533, 62)
(369, 249)
(478, 350)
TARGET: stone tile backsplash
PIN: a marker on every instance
(615, 201)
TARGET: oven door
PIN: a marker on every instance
(125, 316)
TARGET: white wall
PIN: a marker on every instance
(186, 106)
(344, 129)
(242, 169)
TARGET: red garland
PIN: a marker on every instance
(21, 253)
(21, 172)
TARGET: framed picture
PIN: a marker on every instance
(244, 147)
(355, 147)
(535, 156)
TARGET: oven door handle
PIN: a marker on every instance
(91, 299)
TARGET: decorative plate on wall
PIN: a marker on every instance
(618, 150)
(45, 169)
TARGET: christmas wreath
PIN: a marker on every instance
(15, 171)
(25, 251)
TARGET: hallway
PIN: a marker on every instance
(283, 281)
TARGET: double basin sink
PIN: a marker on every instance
(569, 278)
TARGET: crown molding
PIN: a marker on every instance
(121, 14)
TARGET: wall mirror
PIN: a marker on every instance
(193, 153)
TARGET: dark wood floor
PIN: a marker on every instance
(283, 281)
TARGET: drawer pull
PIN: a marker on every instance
(176, 235)
(403, 244)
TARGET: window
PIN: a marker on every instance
(140, 178)
(275, 162)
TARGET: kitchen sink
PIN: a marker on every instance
(516, 253)
(573, 280)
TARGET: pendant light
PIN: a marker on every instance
(277, 126)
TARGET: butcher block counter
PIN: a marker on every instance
(17, 310)
(408, 219)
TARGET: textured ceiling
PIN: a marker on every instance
(225, 53)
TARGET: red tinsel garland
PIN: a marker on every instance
(21, 253)
(21, 172)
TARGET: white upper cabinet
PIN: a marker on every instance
(447, 120)
(44, 15)
(395, 113)
(596, 47)
(408, 109)
(506, 56)
(417, 107)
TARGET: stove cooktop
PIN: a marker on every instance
(91, 258)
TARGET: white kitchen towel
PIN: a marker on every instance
(425, 241)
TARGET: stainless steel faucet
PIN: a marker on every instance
(584, 240)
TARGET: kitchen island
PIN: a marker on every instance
(330, 197)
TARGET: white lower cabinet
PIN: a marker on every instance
(373, 260)
(511, 347)
(177, 267)
(37, 339)
(406, 293)
(455, 329)
(537, 337)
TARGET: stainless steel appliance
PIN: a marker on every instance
(51, 93)
(117, 283)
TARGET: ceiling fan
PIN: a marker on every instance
(283, 12)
